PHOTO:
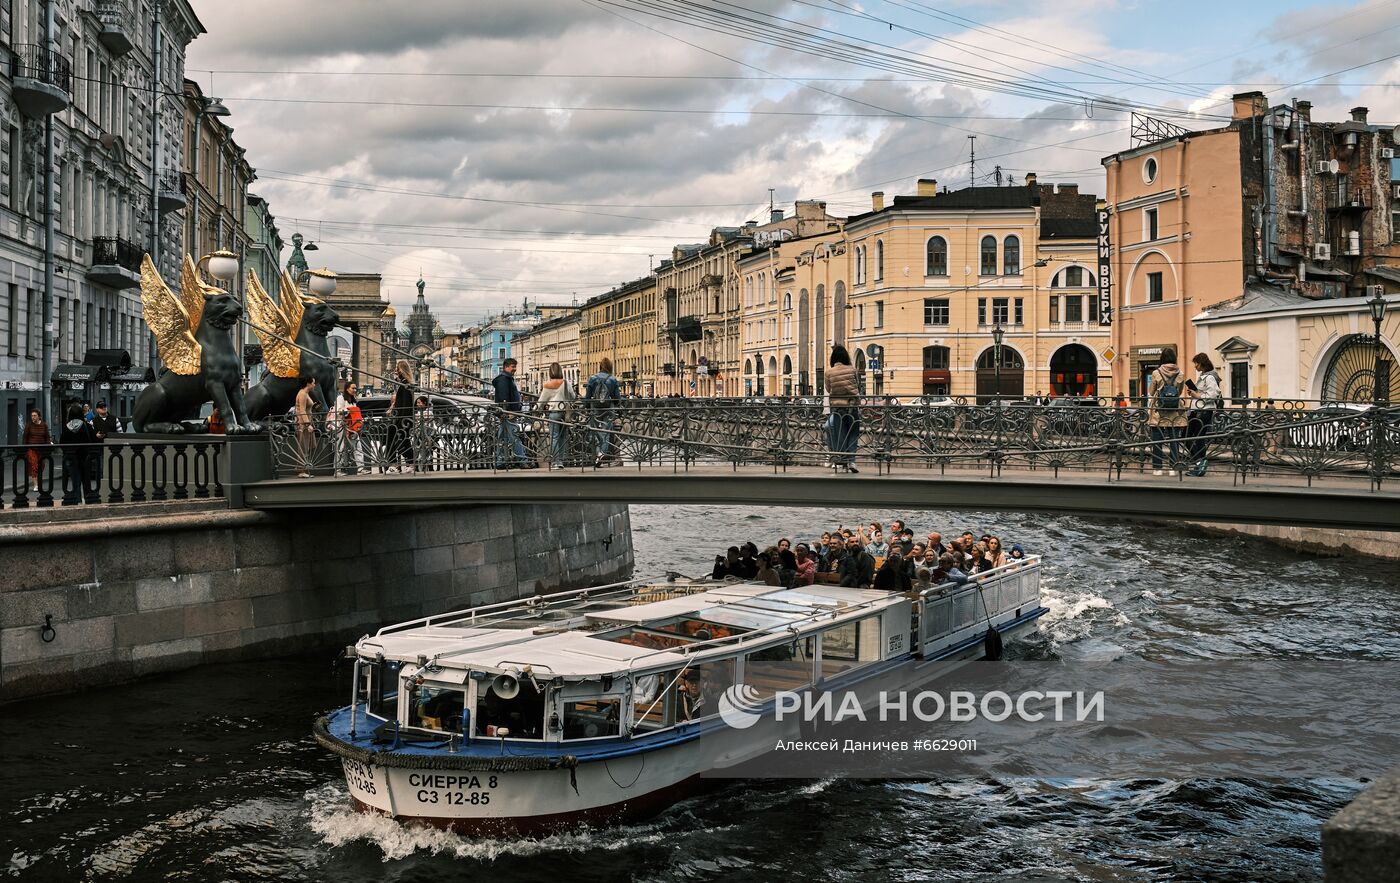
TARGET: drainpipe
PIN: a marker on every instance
(1183, 284)
(156, 104)
(46, 347)
(1303, 187)
(1270, 200)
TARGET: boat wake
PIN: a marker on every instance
(1073, 613)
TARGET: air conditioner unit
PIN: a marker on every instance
(1322, 251)
(1324, 167)
(1387, 153)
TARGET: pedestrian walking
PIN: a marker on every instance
(510, 451)
(843, 425)
(554, 398)
(345, 421)
(1166, 416)
(602, 395)
(36, 435)
(398, 450)
(105, 426)
(78, 440)
(306, 406)
(1205, 400)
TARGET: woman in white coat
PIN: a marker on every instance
(554, 396)
(1206, 399)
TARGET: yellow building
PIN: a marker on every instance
(553, 340)
(915, 288)
(621, 325)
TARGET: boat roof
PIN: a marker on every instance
(559, 641)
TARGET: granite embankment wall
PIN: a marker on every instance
(156, 587)
(1313, 540)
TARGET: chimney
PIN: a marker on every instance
(1248, 105)
(928, 187)
(877, 201)
(1030, 179)
(775, 216)
(1358, 115)
(1305, 110)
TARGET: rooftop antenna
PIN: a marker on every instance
(997, 173)
(972, 174)
(770, 202)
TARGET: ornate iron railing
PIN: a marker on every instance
(112, 250)
(137, 471)
(1356, 442)
(37, 62)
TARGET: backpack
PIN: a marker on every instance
(354, 418)
(1169, 393)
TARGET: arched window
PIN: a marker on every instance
(879, 259)
(748, 366)
(988, 265)
(787, 365)
(773, 291)
(1011, 256)
(748, 291)
(1073, 277)
(787, 300)
(937, 262)
(860, 264)
(936, 358)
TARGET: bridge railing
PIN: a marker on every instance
(114, 471)
(1322, 441)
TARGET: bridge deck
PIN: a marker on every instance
(1273, 499)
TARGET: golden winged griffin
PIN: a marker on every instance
(293, 335)
(194, 335)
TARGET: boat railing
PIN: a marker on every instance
(506, 609)
(980, 600)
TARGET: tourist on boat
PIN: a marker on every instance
(877, 545)
(977, 561)
(747, 565)
(995, 555)
(806, 566)
(602, 395)
(935, 543)
(725, 564)
(892, 576)
(1166, 415)
(510, 451)
(787, 567)
(857, 567)
(923, 579)
(554, 396)
(767, 573)
(398, 447)
(843, 426)
(1205, 400)
(36, 435)
(1018, 553)
(906, 540)
(950, 571)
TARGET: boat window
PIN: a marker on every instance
(381, 687)
(647, 639)
(784, 667)
(851, 645)
(522, 713)
(702, 685)
(650, 709)
(436, 707)
(592, 718)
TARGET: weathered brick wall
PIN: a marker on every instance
(139, 595)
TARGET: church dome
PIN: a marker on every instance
(389, 312)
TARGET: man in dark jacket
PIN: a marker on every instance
(105, 425)
(510, 452)
(857, 567)
(78, 440)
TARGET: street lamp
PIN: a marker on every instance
(1380, 388)
(997, 334)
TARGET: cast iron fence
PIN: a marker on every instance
(135, 471)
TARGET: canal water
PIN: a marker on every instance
(212, 774)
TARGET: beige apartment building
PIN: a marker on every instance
(915, 288)
(699, 327)
(553, 340)
(621, 325)
(1257, 243)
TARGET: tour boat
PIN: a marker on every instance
(603, 705)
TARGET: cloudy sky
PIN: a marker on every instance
(550, 148)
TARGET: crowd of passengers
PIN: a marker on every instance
(862, 557)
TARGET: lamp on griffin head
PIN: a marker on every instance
(222, 265)
(321, 282)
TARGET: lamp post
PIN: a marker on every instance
(997, 334)
(1380, 386)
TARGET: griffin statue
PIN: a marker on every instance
(293, 335)
(194, 336)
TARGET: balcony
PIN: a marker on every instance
(43, 80)
(116, 263)
(172, 191)
(117, 25)
(668, 370)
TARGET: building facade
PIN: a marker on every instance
(1273, 199)
(218, 176)
(620, 325)
(264, 255)
(92, 76)
(553, 340)
(699, 339)
(915, 288)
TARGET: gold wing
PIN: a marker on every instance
(274, 329)
(192, 293)
(292, 305)
(169, 320)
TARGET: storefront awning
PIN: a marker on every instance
(79, 374)
(112, 359)
(938, 375)
(138, 376)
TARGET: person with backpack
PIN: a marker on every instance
(555, 396)
(78, 440)
(602, 395)
(1205, 400)
(344, 423)
(1166, 412)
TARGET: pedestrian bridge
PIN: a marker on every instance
(1325, 467)
(1331, 466)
